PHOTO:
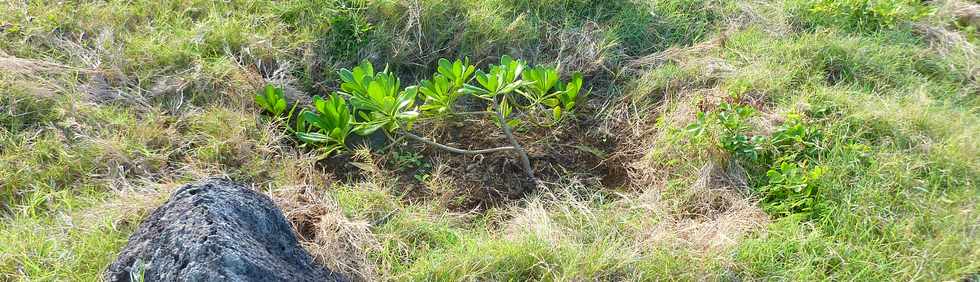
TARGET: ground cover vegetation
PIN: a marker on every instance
(506, 140)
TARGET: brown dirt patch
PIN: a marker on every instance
(575, 148)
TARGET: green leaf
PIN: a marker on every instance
(542, 80)
(550, 102)
(474, 90)
(368, 128)
(314, 137)
(301, 125)
(775, 176)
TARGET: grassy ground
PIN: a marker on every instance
(105, 106)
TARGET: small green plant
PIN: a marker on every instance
(333, 120)
(543, 79)
(272, 100)
(791, 189)
(458, 72)
(442, 91)
(378, 99)
(413, 160)
(787, 187)
(569, 95)
(439, 96)
(405, 160)
(795, 138)
(734, 121)
(727, 129)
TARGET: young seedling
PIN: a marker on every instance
(272, 100)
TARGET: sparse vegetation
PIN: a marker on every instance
(702, 139)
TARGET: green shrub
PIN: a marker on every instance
(442, 91)
(334, 120)
(272, 100)
(379, 99)
(378, 102)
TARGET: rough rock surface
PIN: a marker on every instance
(216, 230)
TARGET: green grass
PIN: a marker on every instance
(109, 104)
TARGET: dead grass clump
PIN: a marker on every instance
(768, 15)
(952, 43)
(339, 243)
(962, 12)
(584, 49)
(708, 235)
(716, 188)
(940, 31)
(712, 215)
(23, 66)
(533, 220)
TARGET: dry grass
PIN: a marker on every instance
(951, 43)
(335, 241)
(22, 66)
(584, 49)
(715, 212)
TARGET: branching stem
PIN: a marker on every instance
(477, 113)
(525, 161)
(452, 149)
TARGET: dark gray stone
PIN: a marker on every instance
(216, 230)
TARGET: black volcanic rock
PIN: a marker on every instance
(216, 230)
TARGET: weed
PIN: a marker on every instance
(791, 189)
(788, 186)
(727, 129)
(413, 160)
(795, 139)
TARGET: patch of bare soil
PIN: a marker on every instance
(574, 148)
